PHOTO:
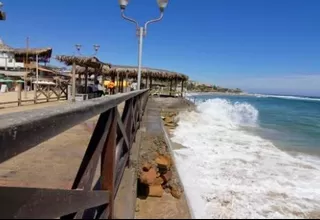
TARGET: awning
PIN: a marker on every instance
(14, 73)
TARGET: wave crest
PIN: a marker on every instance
(227, 113)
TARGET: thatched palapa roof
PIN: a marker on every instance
(158, 74)
(86, 62)
(94, 65)
(44, 54)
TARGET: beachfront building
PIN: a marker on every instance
(23, 64)
(7, 58)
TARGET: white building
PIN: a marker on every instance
(7, 60)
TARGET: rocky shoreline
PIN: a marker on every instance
(159, 185)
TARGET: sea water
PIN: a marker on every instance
(251, 156)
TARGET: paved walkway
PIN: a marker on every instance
(51, 164)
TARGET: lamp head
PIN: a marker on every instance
(123, 4)
(78, 47)
(162, 4)
(96, 47)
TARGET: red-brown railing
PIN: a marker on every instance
(111, 141)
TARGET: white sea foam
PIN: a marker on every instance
(229, 173)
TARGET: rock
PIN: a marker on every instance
(175, 192)
(137, 207)
(158, 181)
(146, 166)
(167, 176)
(167, 120)
(155, 191)
(167, 190)
(164, 161)
(148, 177)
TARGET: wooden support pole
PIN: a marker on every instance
(37, 69)
(175, 86)
(127, 82)
(170, 87)
(86, 81)
(118, 83)
(182, 88)
(150, 86)
(121, 81)
(73, 82)
(25, 86)
(146, 82)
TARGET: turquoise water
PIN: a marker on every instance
(291, 123)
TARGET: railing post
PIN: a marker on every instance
(19, 94)
(108, 163)
(35, 87)
(48, 93)
(145, 101)
(127, 118)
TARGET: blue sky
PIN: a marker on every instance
(268, 46)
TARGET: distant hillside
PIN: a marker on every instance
(199, 87)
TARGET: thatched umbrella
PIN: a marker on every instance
(82, 61)
(85, 65)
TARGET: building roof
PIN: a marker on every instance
(4, 47)
(14, 73)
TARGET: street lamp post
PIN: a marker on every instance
(142, 31)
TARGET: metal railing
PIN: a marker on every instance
(111, 141)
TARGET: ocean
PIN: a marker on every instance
(252, 156)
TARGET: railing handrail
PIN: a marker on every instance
(45, 123)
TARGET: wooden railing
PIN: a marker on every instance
(49, 92)
(111, 141)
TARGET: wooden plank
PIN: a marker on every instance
(108, 164)
(89, 163)
(127, 118)
(37, 203)
(122, 131)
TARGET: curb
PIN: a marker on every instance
(170, 148)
